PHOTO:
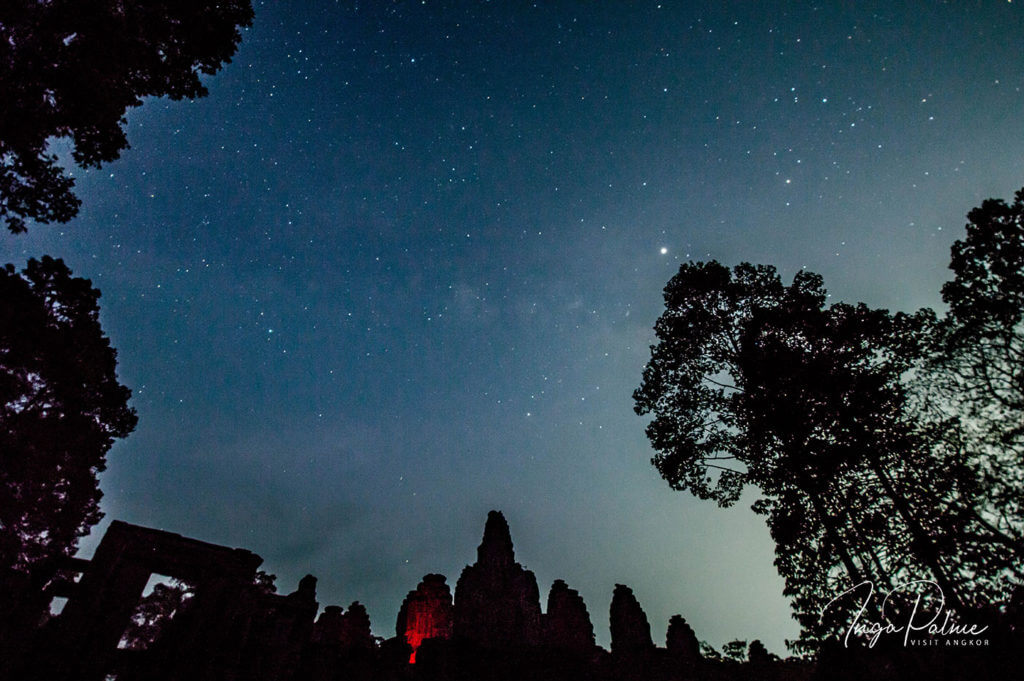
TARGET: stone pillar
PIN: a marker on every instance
(426, 613)
(630, 630)
(681, 641)
(497, 603)
(567, 622)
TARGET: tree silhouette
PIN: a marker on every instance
(758, 384)
(61, 407)
(153, 613)
(735, 650)
(978, 369)
(70, 69)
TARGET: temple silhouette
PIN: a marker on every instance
(230, 626)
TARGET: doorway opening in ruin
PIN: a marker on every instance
(162, 600)
(57, 605)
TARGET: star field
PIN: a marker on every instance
(401, 266)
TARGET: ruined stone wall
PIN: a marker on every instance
(236, 629)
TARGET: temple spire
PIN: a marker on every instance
(496, 547)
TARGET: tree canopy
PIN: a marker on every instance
(978, 366)
(878, 443)
(72, 69)
(61, 408)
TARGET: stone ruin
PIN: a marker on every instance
(426, 613)
(234, 627)
(567, 623)
(631, 632)
(497, 604)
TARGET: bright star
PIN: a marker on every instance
(664, 250)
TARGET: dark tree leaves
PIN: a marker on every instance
(154, 612)
(71, 69)
(689, 382)
(986, 295)
(977, 372)
(61, 408)
(761, 385)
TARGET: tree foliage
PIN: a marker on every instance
(978, 366)
(883, 447)
(71, 69)
(735, 650)
(154, 612)
(61, 408)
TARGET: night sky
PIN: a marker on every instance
(401, 267)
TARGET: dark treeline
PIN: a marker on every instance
(70, 70)
(885, 449)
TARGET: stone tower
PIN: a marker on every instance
(630, 630)
(426, 613)
(497, 603)
(567, 622)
